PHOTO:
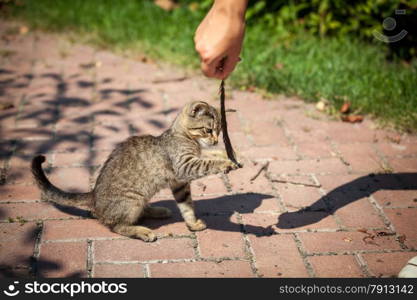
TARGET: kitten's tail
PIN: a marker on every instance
(52, 193)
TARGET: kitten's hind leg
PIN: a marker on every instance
(139, 232)
(182, 194)
(157, 212)
(127, 215)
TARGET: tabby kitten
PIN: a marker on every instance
(141, 166)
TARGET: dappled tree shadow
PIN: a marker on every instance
(48, 109)
(345, 194)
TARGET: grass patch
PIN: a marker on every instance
(338, 68)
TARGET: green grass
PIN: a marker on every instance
(309, 67)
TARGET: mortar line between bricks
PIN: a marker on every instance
(337, 220)
(17, 116)
(36, 250)
(172, 260)
(386, 221)
(334, 147)
(382, 157)
(146, 271)
(195, 245)
(351, 252)
(290, 139)
(363, 265)
(121, 238)
(380, 212)
(47, 219)
(303, 252)
(245, 125)
(249, 252)
(90, 255)
(20, 201)
(280, 202)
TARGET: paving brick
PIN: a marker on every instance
(17, 242)
(77, 121)
(403, 164)
(398, 198)
(203, 269)
(277, 256)
(339, 266)
(63, 260)
(19, 172)
(361, 157)
(220, 239)
(71, 179)
(18, 193)
(74, 159)
(266, 224)
(267, 133)
(387, 264)
(19, 175)
(299, 196)
(345, 241)
(28, 134)
(31, 148)
(359, 214)
(137, 250)
(75, 229)
(315, 150)
(394, 150)
(37, 211)
(351, 133)
(317, 166)
(211, 185)
(405, 223)
(307, 131)
(118, 271)
(272, 152)
(173, 225)
(242, 203)
(240, 180)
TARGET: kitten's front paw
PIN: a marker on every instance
(197, 226)
(230, 166)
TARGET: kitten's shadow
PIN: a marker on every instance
(216, 212)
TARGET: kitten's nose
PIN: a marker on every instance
(215, 140)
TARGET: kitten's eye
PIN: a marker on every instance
(209, 131)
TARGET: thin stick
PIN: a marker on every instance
(263, 168)
(226, 139)
(294, 182)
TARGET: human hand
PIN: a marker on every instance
(219, 37)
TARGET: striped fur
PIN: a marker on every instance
(141, 166)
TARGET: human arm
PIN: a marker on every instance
(219, 37)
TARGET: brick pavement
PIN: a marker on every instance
(315, 212)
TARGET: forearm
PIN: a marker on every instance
(237, 7)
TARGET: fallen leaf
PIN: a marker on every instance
(352, 118)
(394, 139)
(384, 233)
(363, 230)
(167, 5)
(345, 108)
(401, 238)
(23, 30)
(322, 104)
(251, 89)
(193, 6)
(7, 105)
(279, 66)
(371, 238)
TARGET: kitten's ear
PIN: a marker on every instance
(197, 108)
